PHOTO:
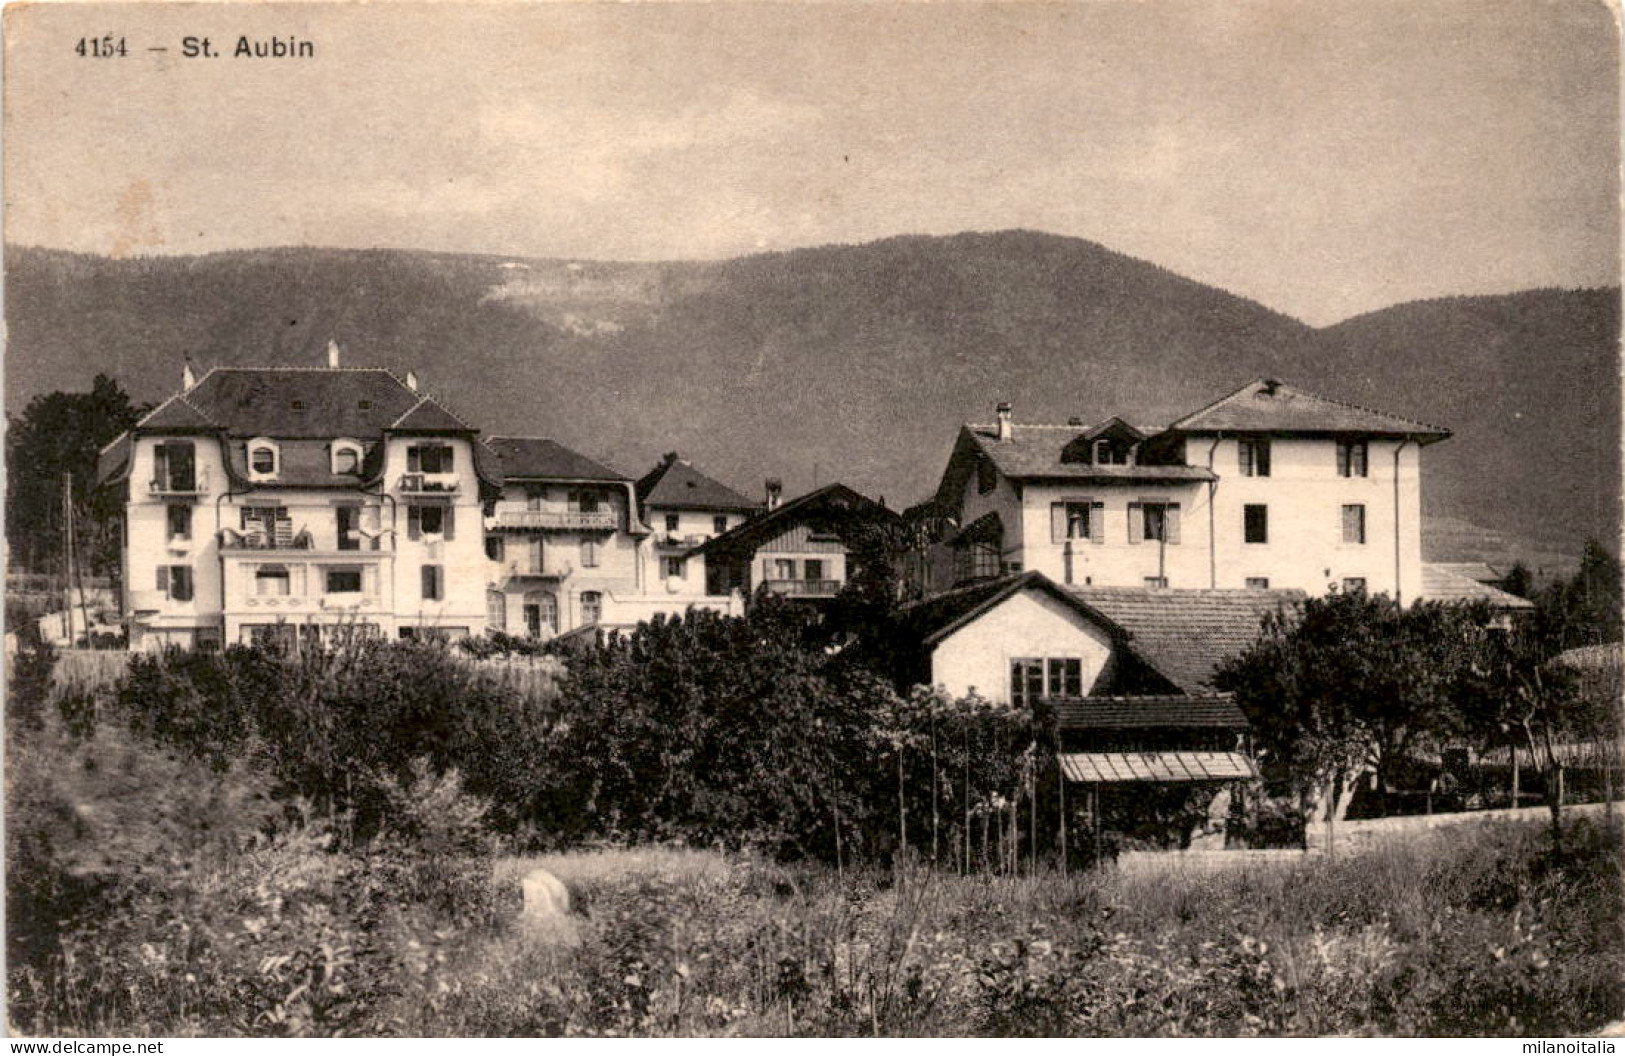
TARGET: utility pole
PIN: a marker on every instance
(67, 557)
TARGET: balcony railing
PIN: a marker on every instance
(198, 484)
(804, 588)
(520, 568)
(681, 541)
(426, 484)
(559, 520)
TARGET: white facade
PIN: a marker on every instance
(207, 562)
(1029, 625)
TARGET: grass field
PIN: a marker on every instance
(1476, 930)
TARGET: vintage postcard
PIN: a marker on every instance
(986, 519)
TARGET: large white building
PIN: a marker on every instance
(1269, 487)
(274, 502)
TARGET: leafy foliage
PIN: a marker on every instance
(59, 435)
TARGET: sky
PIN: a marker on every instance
(1324, 158)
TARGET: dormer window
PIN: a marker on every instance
(264, 460)
(346, 458)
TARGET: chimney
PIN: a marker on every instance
(332, 355)
(1074, 420)
(188, 379)
(1004, 419)
(412, 380)
(775, 490)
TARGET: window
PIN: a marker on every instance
(587, 502)
(535, 555)
(348, 521)
(272, 581)
(174, 466)
(676, 567)
(1079, 519)
(978, 560)
(1354, 523)
(430, 458)
(1026, 680)
(1255, 523)
(1065, 677)
(262, 458)
(533, 498)
(180, 522)
(1352, 458)
(493, 548)
(784, 568)
(1156, 582)
(429, 520)
(1255, 457)
(1258, 583)
(592, 606)
(175, 582)
(1151, 522)
(344, 581)
(589, 553)
(433, 583)
(1354, 585)
(1032, 678)
(267, 526)
(672, 520)
(987, 477)
(719, 524)
(496, 610)
(346, 457)
(813, 570)
(1108, 453)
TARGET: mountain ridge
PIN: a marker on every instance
(854, 362)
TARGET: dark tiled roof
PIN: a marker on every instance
(1185, 634)
(1108, 768)
(1441, 584)
(676, 484)
(836, 505)
(1033, 452)
(1139, 713)
(113, 461)
(1477, 571)
(429, 417)
(295, 402)
(934, 618)
(537, 458)
(1268, 406)
(176, 414)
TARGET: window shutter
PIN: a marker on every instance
(1171, 522)
(1263, 455)
(414, 522)
(429, 592)
(1057, 522)
(447, 461)
(1136, 523)
(449, 523)
(414, 461)
(160, 463)
(1097, 522)
(163, 580)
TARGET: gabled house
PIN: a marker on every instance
(279, 502)
(1268, 487)
(685, 509)
(800, 549)
(1023, 638)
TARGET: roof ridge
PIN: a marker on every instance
(424, 398)
(1304, 394)
(300, 367)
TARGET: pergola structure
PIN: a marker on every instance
(1118, 742)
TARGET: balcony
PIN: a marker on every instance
(178, 485)
(558, 520)
(673, 540)
(522, 569)
(803, 588)
(427, 485)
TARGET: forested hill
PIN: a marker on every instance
(853, 362)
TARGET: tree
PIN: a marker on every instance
(56, 435)
(1519, 581)
(1350, 682)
